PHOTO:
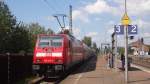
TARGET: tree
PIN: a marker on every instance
(121, 50)
(20, 40)
(94, 45)
(34, 29)
(130, 50)
(7, 23)
(49, 31)
(17, 37)
(95, 48)
(87, 41)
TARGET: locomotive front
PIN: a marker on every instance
(48, 55)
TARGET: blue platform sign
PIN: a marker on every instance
(119, 29)
(132, 29)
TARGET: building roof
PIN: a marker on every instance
(138, 44)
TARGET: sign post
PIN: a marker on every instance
(125, 22)
(125, 29)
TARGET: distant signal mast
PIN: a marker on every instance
(70, 21)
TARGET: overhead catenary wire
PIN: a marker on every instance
(50, 6)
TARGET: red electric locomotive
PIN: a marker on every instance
(54, 54)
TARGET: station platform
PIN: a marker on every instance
(95, 71)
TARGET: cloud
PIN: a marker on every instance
(110, 31)
(76, 13)
(98, 19)
(76, 31)
(141, 23)
(134, 7)
(110, 27)
(83, 13)
(143, 27)
(146, 36)
(98, 7)
(80, 15)
(138, 7)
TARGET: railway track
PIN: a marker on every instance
(42, 80)
(36, 80)
(142, 61)
(49, 81)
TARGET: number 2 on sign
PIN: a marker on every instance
(133, 28)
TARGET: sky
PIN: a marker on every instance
(94, 18)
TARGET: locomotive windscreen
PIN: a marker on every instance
(50, 41)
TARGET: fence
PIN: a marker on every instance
(14, 67)
(142, 61)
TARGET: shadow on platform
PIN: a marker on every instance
(133, 69)
(130, 69)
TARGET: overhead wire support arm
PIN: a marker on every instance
(63, 17)
(58, 21)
